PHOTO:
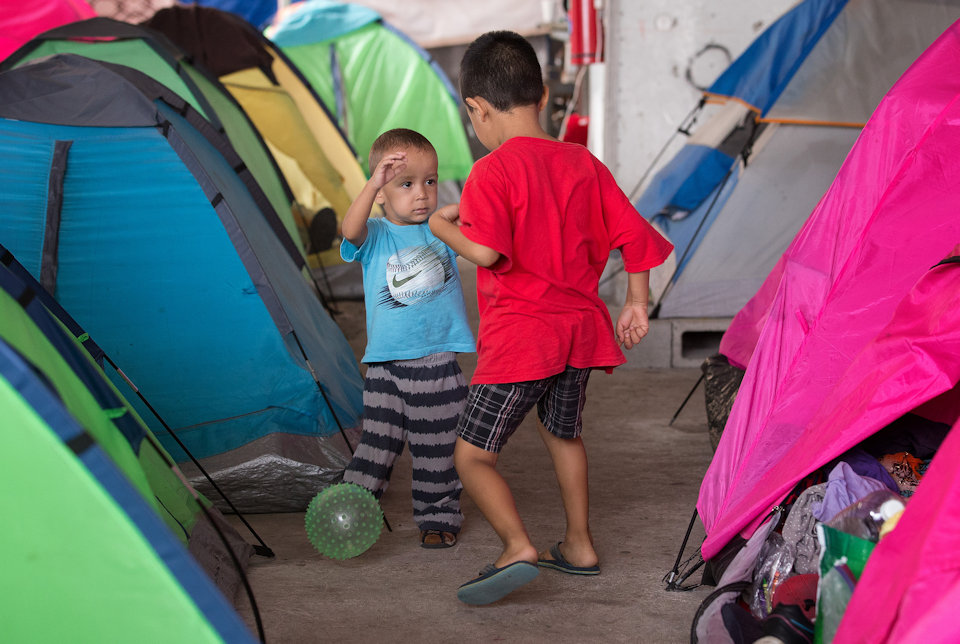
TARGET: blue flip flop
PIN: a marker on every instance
(560, 563)
(496, 583)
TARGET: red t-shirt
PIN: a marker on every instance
(554, 213)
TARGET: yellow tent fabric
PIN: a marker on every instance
(318, 164)
(315, 158)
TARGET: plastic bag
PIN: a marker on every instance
(865, 517)
(774, 565)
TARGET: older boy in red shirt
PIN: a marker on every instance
(539, 217)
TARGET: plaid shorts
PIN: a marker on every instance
(494, 412)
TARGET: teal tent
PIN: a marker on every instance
(153, 54)
(134, 213)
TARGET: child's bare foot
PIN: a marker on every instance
(521, 553)
(572, 560)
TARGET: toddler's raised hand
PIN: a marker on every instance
(389, 167)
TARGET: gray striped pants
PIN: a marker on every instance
(416, 402)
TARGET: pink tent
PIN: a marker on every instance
(21, 21)
(910, 589)
(850, 331)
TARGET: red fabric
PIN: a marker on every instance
(577, 130)
(801, 591)
(554, 213)
(21, 21)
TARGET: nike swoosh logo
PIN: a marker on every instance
(398, 283)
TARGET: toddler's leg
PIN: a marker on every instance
(383, 433)
(441, 394)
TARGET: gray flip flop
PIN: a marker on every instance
(560, 563)
(496, 583)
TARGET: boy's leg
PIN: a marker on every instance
(570, 464)
(492, 414)
(489, 490)
(440, 395)
(561, 416)
(383, 434)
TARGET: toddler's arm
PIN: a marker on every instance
(445, 225)
(354, 226)
(633, 323)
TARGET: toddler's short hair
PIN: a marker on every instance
(396, 139)
(501, 67)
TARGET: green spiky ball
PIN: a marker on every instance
(343, 521)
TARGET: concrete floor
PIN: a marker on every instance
(644, 478)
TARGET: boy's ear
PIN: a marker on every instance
(379, 198)
(543, 99)
(479, 106)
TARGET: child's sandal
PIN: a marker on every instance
(437, 539)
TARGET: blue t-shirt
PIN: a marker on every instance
(412, 290)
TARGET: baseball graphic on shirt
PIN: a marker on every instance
(414, 274)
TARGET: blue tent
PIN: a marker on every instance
(774, 129)
(257, 12)
(134, 213)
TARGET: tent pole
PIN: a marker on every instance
(323, 393)
(683, 128)
(685, 400)
(263, 549)
(696, 233)
(334, 312)
(744, 154)
(671, 577)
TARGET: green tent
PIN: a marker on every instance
(110, 543)
(374, 78)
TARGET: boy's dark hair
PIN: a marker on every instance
(501, 67)
(395, 139)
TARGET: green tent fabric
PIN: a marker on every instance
(374, 78)
(45, 334)
(107, 535)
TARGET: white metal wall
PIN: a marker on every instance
(652, 47)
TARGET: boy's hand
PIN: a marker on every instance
(450, 213)
(445, 225)
(389, 167)
(632, 325)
